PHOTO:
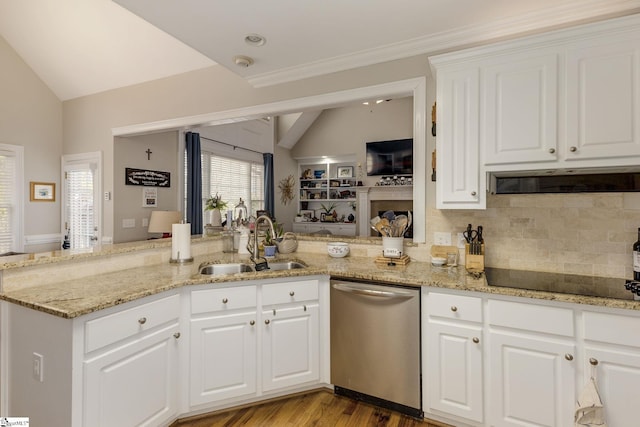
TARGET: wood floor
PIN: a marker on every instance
(317, 408)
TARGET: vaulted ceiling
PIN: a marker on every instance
(81, 47)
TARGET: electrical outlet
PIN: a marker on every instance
(38, 367)
(461, 240)
(442, 238)
(145, 222)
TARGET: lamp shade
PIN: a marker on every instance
(161, 221)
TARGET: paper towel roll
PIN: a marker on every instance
(180, 242)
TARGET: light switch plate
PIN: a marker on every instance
(129, 223)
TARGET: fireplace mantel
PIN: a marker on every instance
(379, 192)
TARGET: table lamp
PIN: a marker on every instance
(161, 222)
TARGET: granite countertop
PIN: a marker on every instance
(73, 298)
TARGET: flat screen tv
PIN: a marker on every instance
(394, 157)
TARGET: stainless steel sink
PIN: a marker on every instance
(218, 269)
(286, 265)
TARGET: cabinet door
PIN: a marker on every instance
(458, 184)
(133, 385)
(603, 100)
(290, 346)
(454, 370)
(532, 381)
(617, 375)
(520, 110)
(223, 357)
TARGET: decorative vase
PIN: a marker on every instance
(216, 217)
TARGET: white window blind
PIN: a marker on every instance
(7, 201)
(80, 221)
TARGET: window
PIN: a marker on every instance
(11, 178)
(233, 180)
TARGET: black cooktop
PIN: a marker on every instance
(558, 283)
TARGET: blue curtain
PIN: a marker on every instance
(269, 204)
(194, 183)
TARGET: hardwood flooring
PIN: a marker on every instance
(316, 408)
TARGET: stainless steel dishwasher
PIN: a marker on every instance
(375, 344)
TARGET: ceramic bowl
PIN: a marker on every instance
(338, 249)
(438, 261)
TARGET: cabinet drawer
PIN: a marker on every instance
(531, 317)
(611, 328)
(454, 307)
(124, 324)
(282, 293)
(209, 300)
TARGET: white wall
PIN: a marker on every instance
(31, 116)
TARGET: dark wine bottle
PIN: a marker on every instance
(636, 258)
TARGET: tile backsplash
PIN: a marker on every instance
(588, 234)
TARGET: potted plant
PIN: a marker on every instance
(271, 241)
(328, 214)
(215, 204)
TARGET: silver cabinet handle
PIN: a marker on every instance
(593, 361)
(266, 322)
(356, 289)
(253, 322)
(568, 356)
(454, 308)
(291, 293)
(573, 149)
(473, 193)
(552, 150)
(225, 300)
(142, 320)
(476, 340)
(176, 335)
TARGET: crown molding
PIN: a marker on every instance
(564, 15)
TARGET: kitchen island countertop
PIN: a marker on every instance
(76, 297)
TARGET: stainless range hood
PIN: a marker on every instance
(596, 180)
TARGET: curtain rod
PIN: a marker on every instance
(230, 145)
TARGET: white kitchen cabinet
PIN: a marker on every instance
(521, 109)
(131, 365)
(532, 371)
(223, 348)
(135, 384)
(457, 143)
(603, 99)
(454, 347)
(612, 358)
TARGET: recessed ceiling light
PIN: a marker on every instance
(242, 61)
(254, 39)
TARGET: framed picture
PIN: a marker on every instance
(43, 192)
(345, 171)
(307, 214)
(150, 197)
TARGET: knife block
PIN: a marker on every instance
(474, 262)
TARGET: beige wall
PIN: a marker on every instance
(127, 199)
(31, 116)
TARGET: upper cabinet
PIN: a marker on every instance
(563, 99)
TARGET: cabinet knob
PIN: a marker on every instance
(476, 340)
(573, 149)
(225, 300)
(176, 335)
(253, 322)
(593, 361)
(473, 193)
(552, 150)
(568, 356)
(291, 293)
(266, 322)
(454, 308)
(142, 320)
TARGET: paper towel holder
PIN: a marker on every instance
(176, 247)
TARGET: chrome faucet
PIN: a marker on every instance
(254, 251)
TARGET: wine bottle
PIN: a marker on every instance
(636, 258)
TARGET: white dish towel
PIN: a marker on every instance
(589, 409)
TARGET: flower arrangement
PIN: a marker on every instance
(215, 202)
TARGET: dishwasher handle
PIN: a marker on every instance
(358, 289)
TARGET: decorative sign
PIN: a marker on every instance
(150, 197)
(147, 178)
